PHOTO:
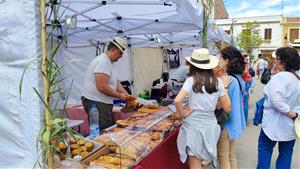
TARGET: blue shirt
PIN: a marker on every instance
(282, 94)
(236, 124)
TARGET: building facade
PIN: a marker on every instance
(270, 31)
(290, 30)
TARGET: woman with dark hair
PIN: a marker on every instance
(281, 108)
(232, 63)
(248, 83)
(199, 132)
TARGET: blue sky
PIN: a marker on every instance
(248, 8)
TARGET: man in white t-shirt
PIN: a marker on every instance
(101, 84)
(261, 65)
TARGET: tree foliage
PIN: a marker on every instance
(250, 38)
(208, 6)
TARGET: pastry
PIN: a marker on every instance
(54, 142)
(130, 150)
(152, 144)
(152, 106)
(155, 136)
(122, 123)
(117, 129)
(73, 147)
(101, 140)
(72, 140)
(75, 153)
(82, 148)
(84, 153)
(81, 142)
(89, 146)
(62, 148)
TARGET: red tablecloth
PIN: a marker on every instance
(165, 156)
(76, 112)
(118, 115)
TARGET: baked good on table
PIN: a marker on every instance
(101, 140)
(152, 106)
(122, 123)
(72, 140)
(164, 125)
(84, 153)
(74, 146)
(89, 146)
(75, 152)
(62, 148)
(155, 136)
(81, 142)
(130, 98)
(146, 110)
(153, 144)
(117, 129)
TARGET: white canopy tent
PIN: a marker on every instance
(147, 23)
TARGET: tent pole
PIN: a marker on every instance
(48, 155)
(88, 17)
(132, 70)
(118, 3)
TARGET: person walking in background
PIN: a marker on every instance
(199, 132)
(248, 83)
(261, 65)
(232, 62)
(281, 108)
(101, 85)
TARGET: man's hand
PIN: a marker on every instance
(123, 96)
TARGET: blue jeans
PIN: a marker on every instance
(246, 100)
(265, 150)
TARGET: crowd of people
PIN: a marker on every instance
(226, 86)
(215, 85)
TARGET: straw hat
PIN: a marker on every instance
(297, 126)
(296, 43)
(201, 59)
(120, 43)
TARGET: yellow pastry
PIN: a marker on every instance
(75, 153)
(72, 140)
(89, 146)
(62, 147)
(81, 142)
(84, 153)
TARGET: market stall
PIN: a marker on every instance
(148, 134)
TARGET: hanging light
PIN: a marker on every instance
(71, 21)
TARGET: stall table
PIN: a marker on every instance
(164, 156)
(77, 112)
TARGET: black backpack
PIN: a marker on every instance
(265, 76)
(251, 72)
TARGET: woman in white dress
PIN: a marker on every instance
(199, 132)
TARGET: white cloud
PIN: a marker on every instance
(244, 5)
(292, 10)
(235, 10)
(250, 13)
(265, 8)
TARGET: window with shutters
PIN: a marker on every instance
(294, 34)
(268, 35)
